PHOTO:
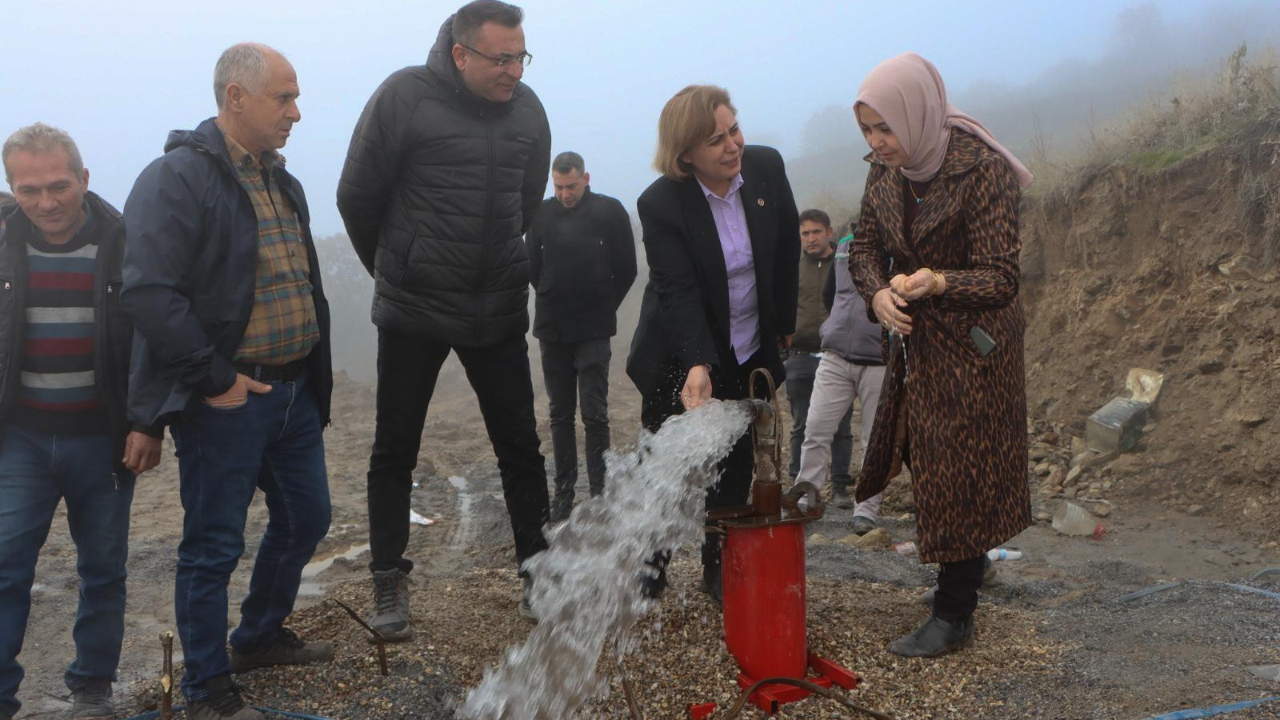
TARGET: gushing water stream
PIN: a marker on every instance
(586, 589)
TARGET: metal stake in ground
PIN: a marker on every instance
(378, 640)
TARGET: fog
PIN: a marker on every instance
(119, 77)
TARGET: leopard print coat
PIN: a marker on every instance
(957, 418)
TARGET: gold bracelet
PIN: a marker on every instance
(934, 277)
(939, 281)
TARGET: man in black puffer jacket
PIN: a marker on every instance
(445, 172)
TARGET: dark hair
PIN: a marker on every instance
(472, 16)
(567, 162)
(816, 215)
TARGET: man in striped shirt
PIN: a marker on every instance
(64, 363)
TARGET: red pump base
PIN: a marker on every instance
(771, 698)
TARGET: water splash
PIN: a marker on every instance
(586, 588)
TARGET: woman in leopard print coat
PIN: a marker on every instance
(936, 259)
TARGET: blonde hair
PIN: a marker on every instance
(687, 119)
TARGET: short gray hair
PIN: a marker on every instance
(244, 64)
(40, 138)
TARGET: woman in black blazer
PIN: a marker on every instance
(722, 237)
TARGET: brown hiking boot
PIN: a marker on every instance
(222, 703)
(286, 649)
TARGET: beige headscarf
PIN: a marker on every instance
(909, 94)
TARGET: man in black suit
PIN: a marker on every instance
(722, 236)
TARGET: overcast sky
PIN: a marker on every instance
(120, 75)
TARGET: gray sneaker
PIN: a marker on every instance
(525, 609)
(391, 605)
(863, 525)
(222, 703)
(286, 649)
(92, 701)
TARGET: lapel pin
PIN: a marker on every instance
(760, 202)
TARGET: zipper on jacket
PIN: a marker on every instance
(488, 229)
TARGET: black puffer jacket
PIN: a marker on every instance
(438, 187)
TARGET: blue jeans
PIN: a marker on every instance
(38, 470)
(272, 442)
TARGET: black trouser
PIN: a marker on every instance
(737, 468)
(407, 370)
(958, 584)
(578, 372)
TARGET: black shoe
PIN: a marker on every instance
(223, 702)
(561, 508)
(286, 649)
(713, 585)
(935, 637)
(840, 497)
(526, 609)
(91, 701)
(653, 582)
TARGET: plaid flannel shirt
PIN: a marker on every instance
(283, 326)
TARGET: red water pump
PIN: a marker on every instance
(763, 566)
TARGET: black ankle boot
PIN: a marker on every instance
(935, 637)
(713, 585)
(653, 580)
(711, 577)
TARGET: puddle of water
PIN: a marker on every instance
(315, 567)
(586, 589)
(462, 535)
(309, 586)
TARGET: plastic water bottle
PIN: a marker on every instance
(1003, 554)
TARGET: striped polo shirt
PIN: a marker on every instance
(57, 393)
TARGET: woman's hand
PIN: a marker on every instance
(697, 387)
(922, 283)
(887, 305)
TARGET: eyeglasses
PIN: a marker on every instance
(523, 59)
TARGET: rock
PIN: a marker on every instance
(1049, 437)
(1078, 445)
(1044, 516)
(817, 539)
(1102, 509)
(1043, 469)
(1039, 453)
(1073, 475)
(1251, 418)
(878, 539)
(1057, 476)
(1195, 510)
(1210, 366)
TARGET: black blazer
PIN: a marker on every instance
(684, 317)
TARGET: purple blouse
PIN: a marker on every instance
(740, 266)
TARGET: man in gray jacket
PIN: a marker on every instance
(446, 169)
(851, 368)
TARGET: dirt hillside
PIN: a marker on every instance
(1165, 258)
